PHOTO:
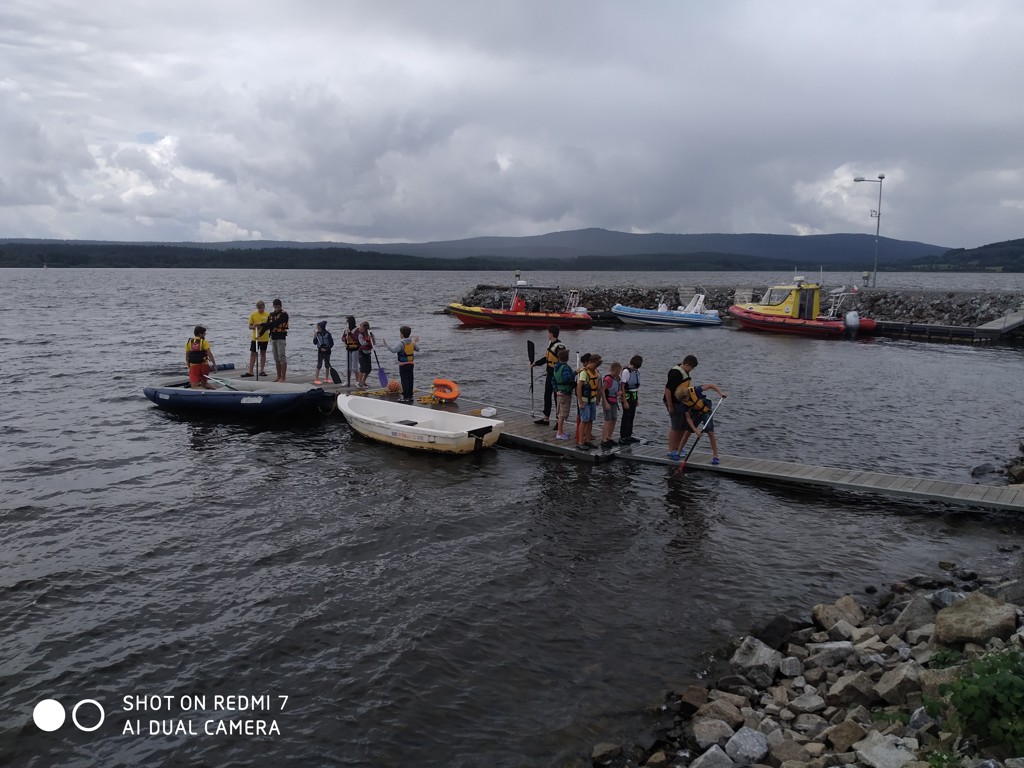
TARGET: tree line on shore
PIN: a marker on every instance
(1004, 257)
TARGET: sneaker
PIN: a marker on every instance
(715, 460)
(545, 422)
(674, 456)
(605, 445)
(263, 374)
(246, 376)
(561, 436)
(586, 447)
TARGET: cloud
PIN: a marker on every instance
(319, 120)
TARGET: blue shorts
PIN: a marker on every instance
(588, 412)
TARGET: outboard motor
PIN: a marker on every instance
(852, 322)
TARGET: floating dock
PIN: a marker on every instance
(520, 431)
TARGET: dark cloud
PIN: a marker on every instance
(417, 121)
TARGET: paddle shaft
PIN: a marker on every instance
(381, 373)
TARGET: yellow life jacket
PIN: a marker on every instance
(680, 391)
(552, 352)
(405, 354)
(591, 383)
(693, 401)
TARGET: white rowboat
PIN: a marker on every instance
(424, 429)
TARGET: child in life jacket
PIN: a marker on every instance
(611, 387)
(324, 342)
(564, 382)
(199, 359)
(407, 346)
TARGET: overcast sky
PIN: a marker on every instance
(415, 121)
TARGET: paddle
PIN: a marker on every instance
(682, 463)
(531, 353)
(223, 382)
(381, 373)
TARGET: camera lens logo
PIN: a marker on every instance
(49, 715)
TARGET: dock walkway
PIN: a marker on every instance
(520, 431)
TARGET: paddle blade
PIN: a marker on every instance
(383, 377)
(335, 376)
(531, 350)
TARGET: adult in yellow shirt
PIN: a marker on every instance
(259, 340)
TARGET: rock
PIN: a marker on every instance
(605, 752)
(791, 666)
(747, 746)
(776, 632)
(809, 724)
(1007, 591)
(807, 702)
(983, 469)
(788, 751)
(844, 735)
(916, 614)
(932, 679)
(721, 710)
(692, 698)
(657, 760)
(828, 654)
(975, 619)
(708, 731)
(899, 682)
(881, 751)
(713, 758)
(756, 661)
(856, 688)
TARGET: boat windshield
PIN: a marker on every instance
(775, 296)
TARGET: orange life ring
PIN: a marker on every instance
(445, 390)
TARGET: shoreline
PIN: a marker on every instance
(856, 682)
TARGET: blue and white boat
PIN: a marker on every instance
(693, 314)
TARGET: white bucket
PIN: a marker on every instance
(488, 412)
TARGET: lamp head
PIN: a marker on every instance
(881, 176)
(859, 178)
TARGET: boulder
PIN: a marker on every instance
(756, 661)
(880, 751)
(975, 619)
(844, 735)
(713, 758)
(747, 746)
(916, 614)
(899, 682)
(708, 731)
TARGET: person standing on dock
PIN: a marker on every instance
(351, 349)
(408, 345)
(199, 359)
(630, 399)
(564, 383)
(365, 340)
(549, 360)
(611, 394)
(588, 393)
(676, 388)
(324, 343)
(277, 325)
(260, 339)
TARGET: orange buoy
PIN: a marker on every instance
(445, 390)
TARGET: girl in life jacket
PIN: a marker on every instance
(611, 386)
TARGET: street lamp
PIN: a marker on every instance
(877, 216)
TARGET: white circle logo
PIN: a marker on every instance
(74, 715)
(49, 715)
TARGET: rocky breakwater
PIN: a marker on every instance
(858, 685)
(964, 308)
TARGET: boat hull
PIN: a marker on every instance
(416, 428)
(482, 317)
(668, 317)
(820, 328)
(243, 400)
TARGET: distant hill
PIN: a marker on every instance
(593, 249)
(1007, 256)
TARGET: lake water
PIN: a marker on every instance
(506, 609)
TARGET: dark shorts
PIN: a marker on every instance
(678, 416)
(364, 362)
(262, 345)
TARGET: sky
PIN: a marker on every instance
(403, 121)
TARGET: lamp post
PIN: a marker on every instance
(877, 216)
